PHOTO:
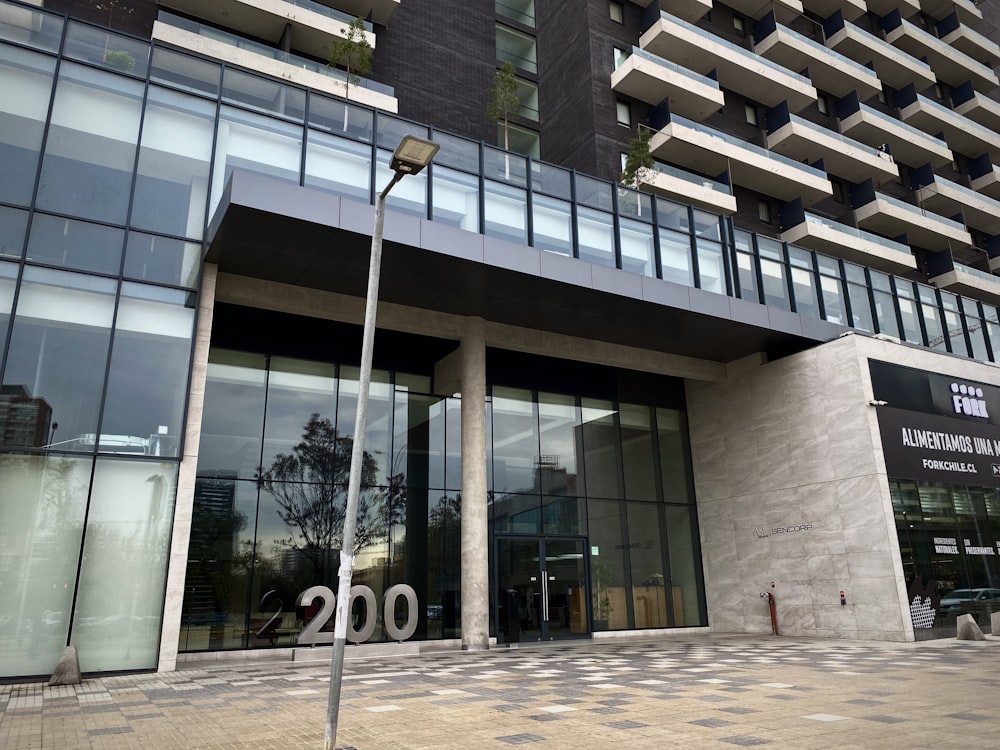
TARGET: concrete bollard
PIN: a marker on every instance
(67, 668)
(968, 630)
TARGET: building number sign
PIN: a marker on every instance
(313, 633)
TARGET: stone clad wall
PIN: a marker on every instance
(794, 444)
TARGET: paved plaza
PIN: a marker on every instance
(705, 691)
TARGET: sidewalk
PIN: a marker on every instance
(702, 691)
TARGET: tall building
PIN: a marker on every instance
(766, 366)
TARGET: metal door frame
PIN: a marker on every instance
(542, 540)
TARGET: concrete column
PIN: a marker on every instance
(184, 504)
(475, 536)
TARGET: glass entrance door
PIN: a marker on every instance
(542, 589)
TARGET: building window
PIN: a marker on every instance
(822, 104)
(624, 113)
(617, 12)
(881, 96)
(739, 25)
(619, 56)
(764, 210)
(750, 110)
(838, 190)
(522, 11)
(517, 48)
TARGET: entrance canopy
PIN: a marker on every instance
(270, 229)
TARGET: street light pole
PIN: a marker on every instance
(411, 156)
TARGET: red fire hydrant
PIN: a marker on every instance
(770, 605)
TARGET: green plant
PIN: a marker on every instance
(639, 162)
(119, 59)
(353, 53)
(502, 101)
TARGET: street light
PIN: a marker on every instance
(411, 156)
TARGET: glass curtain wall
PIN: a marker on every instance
(271, 493)
(103, 192)
(618, 473)
(949, 540)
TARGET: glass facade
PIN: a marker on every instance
(271, 489)
(949, 540)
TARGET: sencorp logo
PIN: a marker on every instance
(968, 400)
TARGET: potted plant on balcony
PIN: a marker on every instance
(639, 162)
(502, 101)
(353, 53)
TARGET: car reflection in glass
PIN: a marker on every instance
(951, 602)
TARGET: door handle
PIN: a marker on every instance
(545, 598)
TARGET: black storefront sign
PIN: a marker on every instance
(928, 392)
(939, 449)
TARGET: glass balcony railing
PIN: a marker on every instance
(694, 179)
(827, 133)
(929, 215)
(675, 68)
(746, 145)
(976, 272)
(882, 48)
(734, 49)
(210, 32)
(915, 134)
(821, 50)
(969, 196)
(898, 247)
(941, 47)
(965, 123)
(326, 10)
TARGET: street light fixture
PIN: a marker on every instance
(410, 157)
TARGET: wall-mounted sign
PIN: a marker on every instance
(939, 449)
(928, 392)
(764, 532)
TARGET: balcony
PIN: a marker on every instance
(686, 187)
(892, 217)
(885, 7)
(689, 10)
(845, 157)
(962, 134)
(893, 66)
(987, 181)
(966, 9)
(652, 79)
(965, 39)
(950, 65)
(850, 243)
(980, 108)
(785, 10)
(946, 197)
(314, 26)
(235, 50)
(828, 70)
(850, 9)
(736, 68)
(907, 144)
(707, 151)
(969, 281)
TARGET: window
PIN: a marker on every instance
(764, 211)
(516, 48)
(617, 12)
(619, 56)
(822, 105)
(739, 25)
(750, 110)
(838, 190)
(624, 113)
(881, 96)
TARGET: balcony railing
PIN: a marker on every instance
(210, 32)
(860, 234)
(673, 67)
(694, 179)
(733, 49)
(326, 10)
